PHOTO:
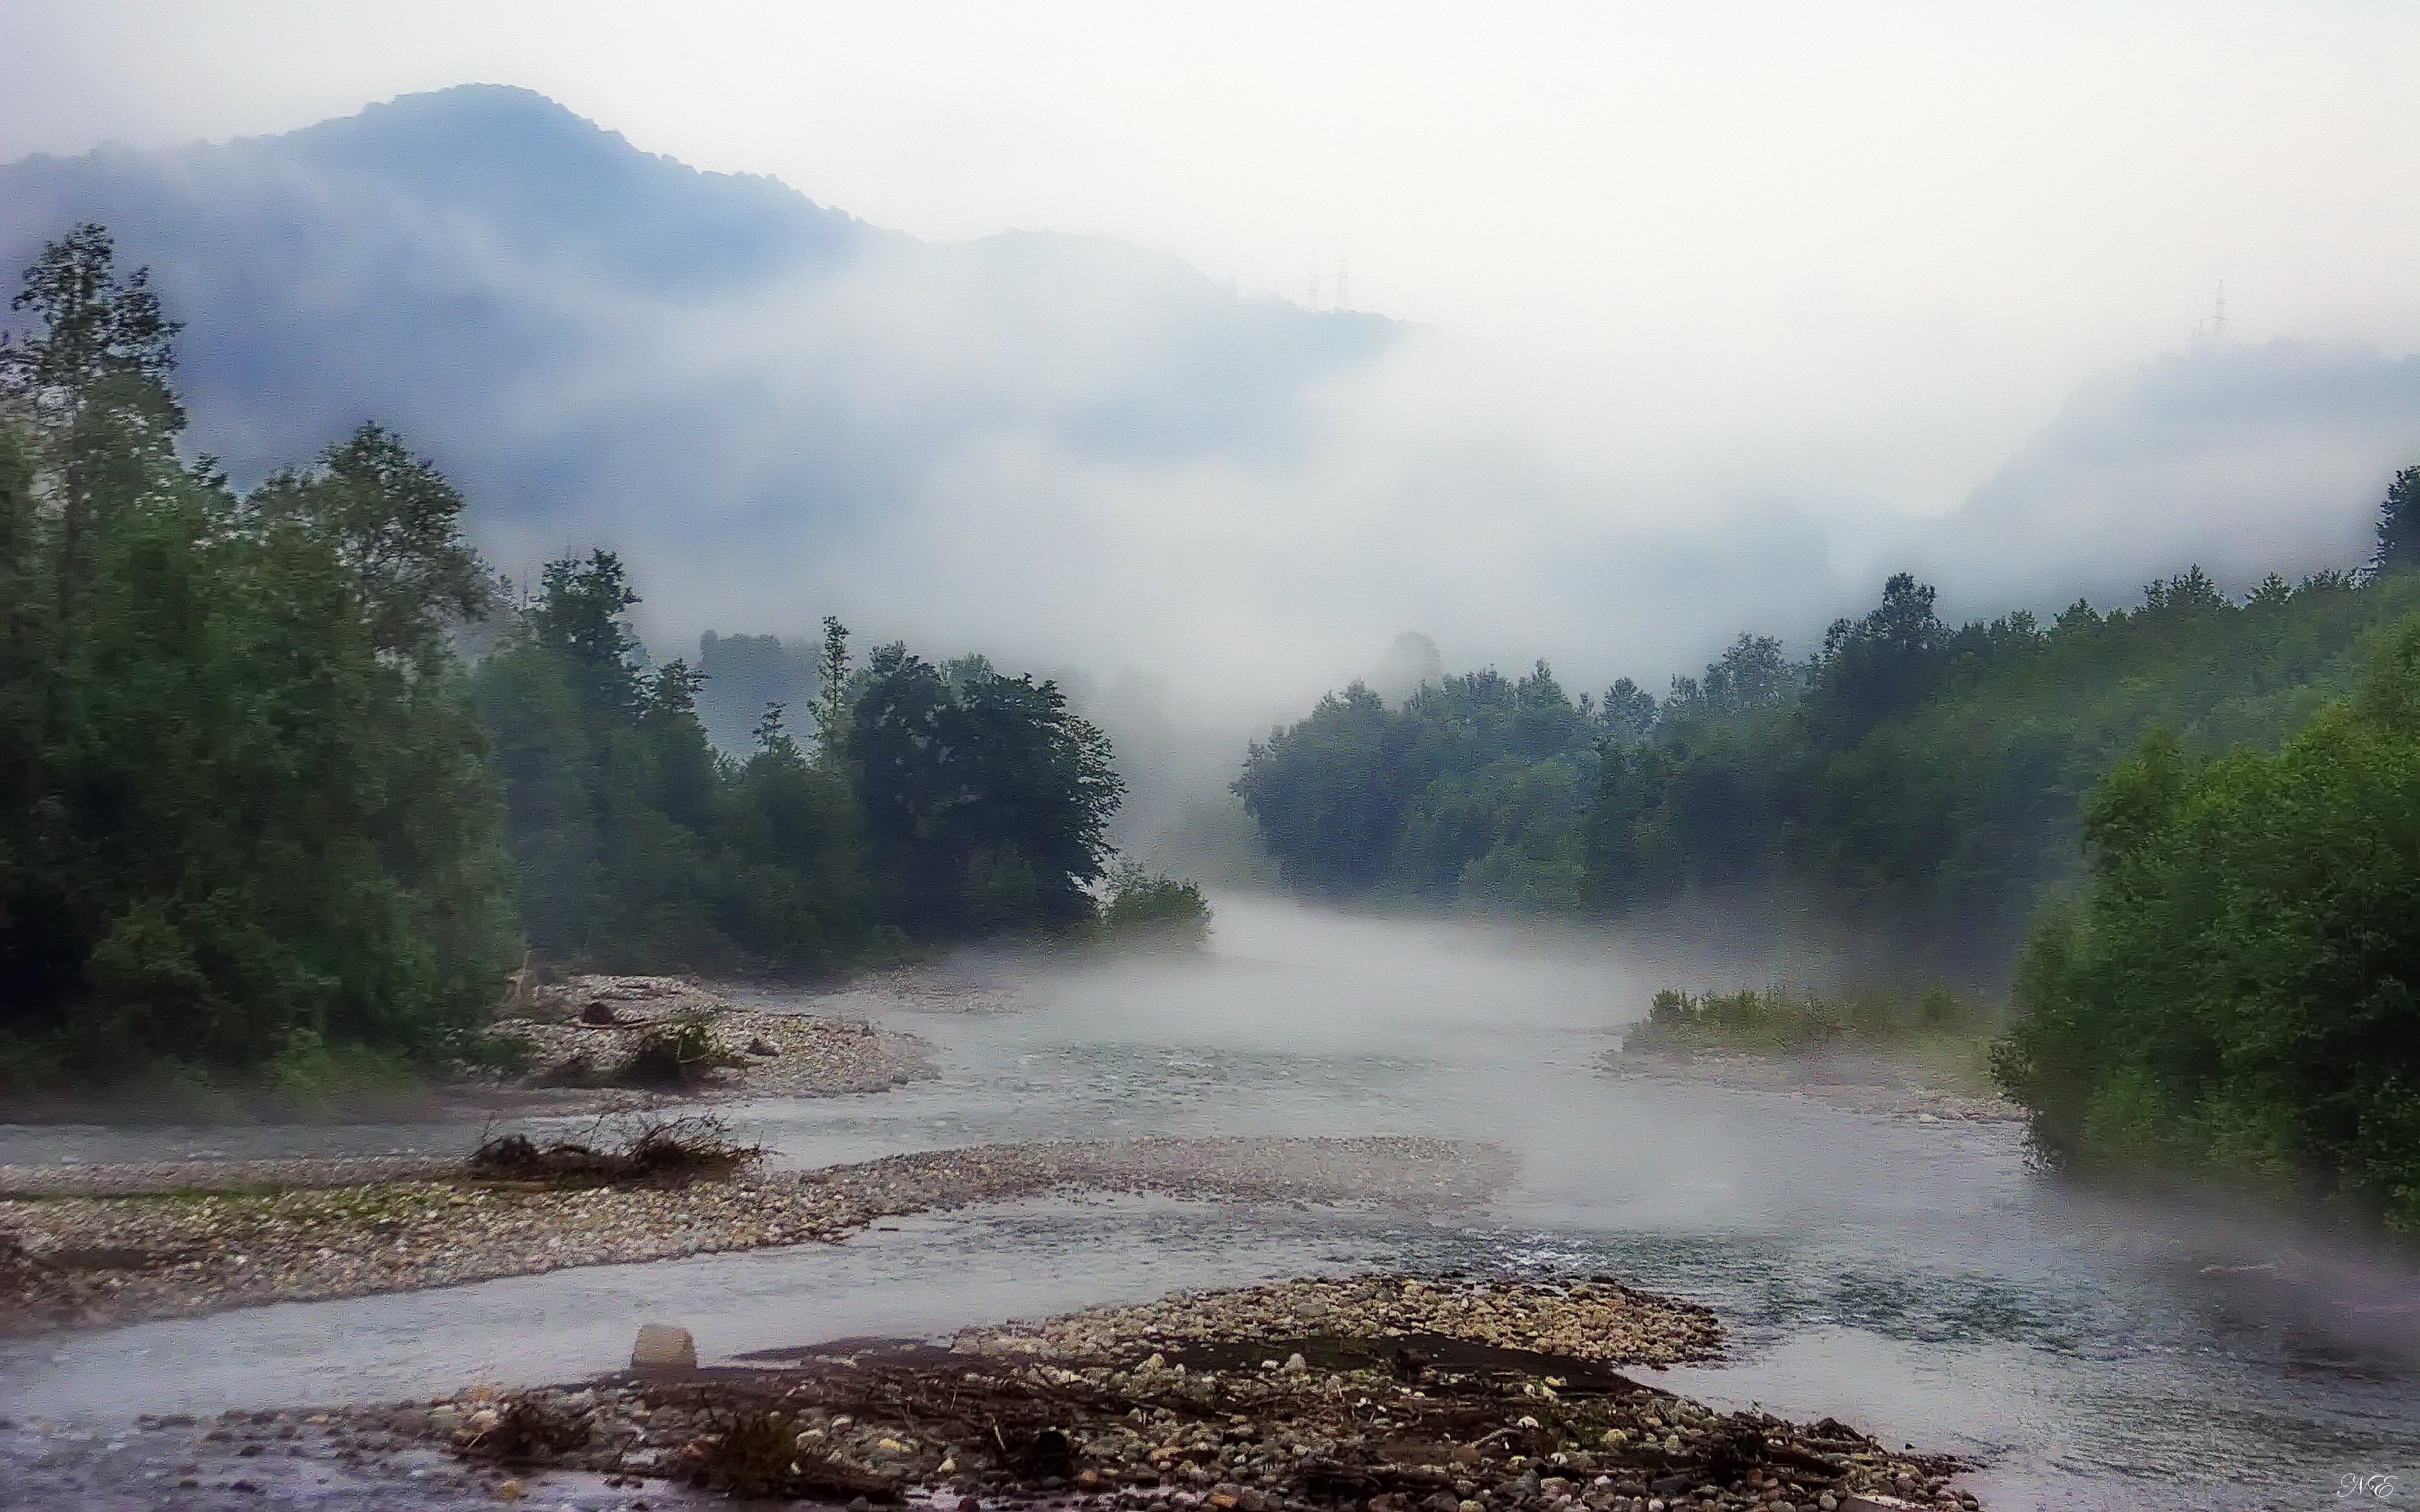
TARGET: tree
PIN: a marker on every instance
(987, 800)
(1628, 711)
(2399, 524)
(1878, 666)
(92, 378)
(248, 808)
(394, 523)
(578, 616)
(1330, 792)
(832, 694)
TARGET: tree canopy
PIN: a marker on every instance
(255, 804)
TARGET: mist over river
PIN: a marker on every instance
(1915, 1278)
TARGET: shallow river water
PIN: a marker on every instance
(1914, 1278)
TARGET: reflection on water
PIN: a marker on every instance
(1915, 1278)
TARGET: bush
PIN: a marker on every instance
(310, 1075)
(1144, 905)
(1784, 1019)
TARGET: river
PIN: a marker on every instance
(1915, 1278)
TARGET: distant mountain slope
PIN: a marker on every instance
(601, 344)
(2245, 460)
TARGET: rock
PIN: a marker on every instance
(1873, 1502)
(1295, 1364)
(509, 1491)
(663, 1347)
(761, 1046)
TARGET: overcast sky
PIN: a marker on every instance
(1947, 210)
(1833, 261)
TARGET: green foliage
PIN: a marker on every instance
(1786, 1019)
(962, 803)
(638, 845)
(310, 1075)
(986, 799)
(2399, 524)
(259, 826)
(2235, 991)
(245, 807)
(1474, 787)
(1923, 777)
(1143, 904)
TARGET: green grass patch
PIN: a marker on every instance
(1948, 1033)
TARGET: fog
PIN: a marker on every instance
(1672, 325)
(1658, 329)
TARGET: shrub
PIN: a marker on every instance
(1143, 904)
(1785, 1019)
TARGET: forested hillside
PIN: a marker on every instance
(2234, 994)
(255, 804)
(1907, 771)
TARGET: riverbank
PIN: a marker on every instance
(1940, 1086)
(1386, 1392)
(91, 1261)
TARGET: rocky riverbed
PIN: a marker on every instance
(91, 1261)
(1382, 1393)
(584, 1031)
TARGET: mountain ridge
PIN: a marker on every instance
(602, 343)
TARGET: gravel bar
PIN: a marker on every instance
(93, 1261)
(1411, 1394)
(588, 1026)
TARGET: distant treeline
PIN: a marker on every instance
(2234, 991)
(1908, 771)
(255, 805)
